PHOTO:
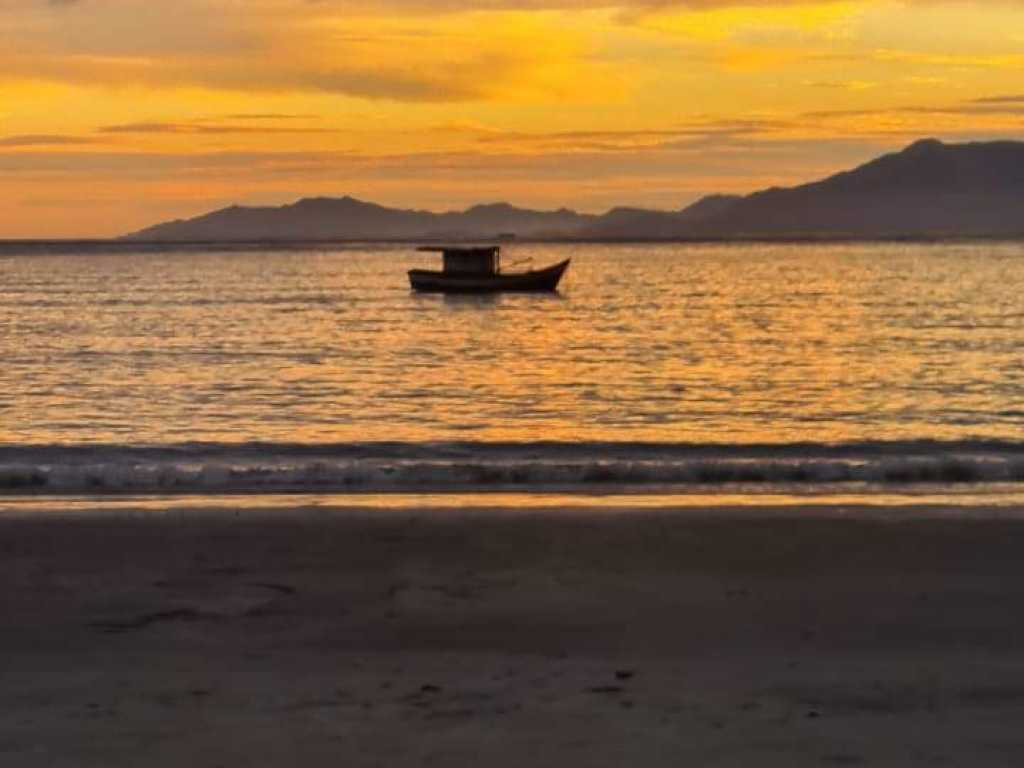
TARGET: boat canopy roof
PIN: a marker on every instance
(462, 250)
(478, 260)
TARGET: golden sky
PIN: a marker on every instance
(116, 114)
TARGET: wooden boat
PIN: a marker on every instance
(478, 270)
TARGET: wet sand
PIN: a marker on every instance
(457, 639)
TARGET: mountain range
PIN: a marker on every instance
(929, 189)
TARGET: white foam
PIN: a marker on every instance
(273, 469)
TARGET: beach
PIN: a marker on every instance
(220, 636)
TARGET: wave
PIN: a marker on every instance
(215, 468)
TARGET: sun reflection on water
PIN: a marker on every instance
(694, 343)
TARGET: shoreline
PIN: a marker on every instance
(651, 638)
(993, 502)
(122, 244)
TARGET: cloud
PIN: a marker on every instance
(155, 186)
(842, 85)
(267, 116)
(436, 52)
(424, 169)
(204, 128)
(212, 45)
(976, 107)
(1016, 99)
(42, 140)
(699, 132)
(476, 77)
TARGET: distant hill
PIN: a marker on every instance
(345, 218)
(642, 224)
(929, 189)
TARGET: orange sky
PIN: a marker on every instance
(115, 114)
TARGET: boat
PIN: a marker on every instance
(478, 270)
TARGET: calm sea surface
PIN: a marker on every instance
(648, 350)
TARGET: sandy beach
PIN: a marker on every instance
(657, 638)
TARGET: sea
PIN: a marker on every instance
(684, 373)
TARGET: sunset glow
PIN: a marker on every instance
(117, 114)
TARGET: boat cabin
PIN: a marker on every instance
(468, 261)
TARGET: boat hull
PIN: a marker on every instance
(445, 282)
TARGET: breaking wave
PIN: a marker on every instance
(208, 468)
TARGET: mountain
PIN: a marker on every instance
(929, 189)
(642, 224)
(706, 207)
(634, 223)
(345, 218)
(504, 218)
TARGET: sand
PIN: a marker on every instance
(202, 638)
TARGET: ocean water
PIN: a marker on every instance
(656, 368)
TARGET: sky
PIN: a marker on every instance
(117, 114)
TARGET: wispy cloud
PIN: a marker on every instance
(266, 116)
(44, 140)
(205, 128)
(693, 133)
(843, 85)
(976, 107)
(1015, 99)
